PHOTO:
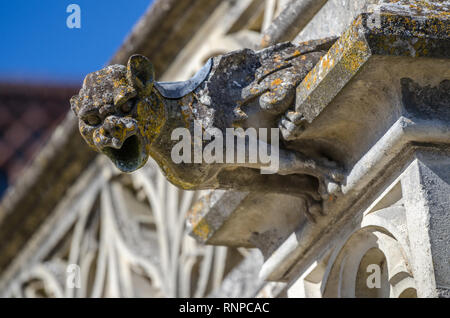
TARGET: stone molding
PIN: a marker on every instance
(378, 100)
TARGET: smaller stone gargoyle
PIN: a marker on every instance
(125, 114)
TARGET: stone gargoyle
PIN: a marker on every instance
(125, 114)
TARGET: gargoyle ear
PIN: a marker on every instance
(74, 104)
(140, 74)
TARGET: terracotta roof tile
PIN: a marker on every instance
(28, 114)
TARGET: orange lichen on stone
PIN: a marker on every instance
(276, 82)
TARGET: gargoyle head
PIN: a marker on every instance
(119, 113)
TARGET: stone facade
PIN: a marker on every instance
(386, 82)
(126, 233)
(378, 101)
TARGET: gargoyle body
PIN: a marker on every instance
(124, 114)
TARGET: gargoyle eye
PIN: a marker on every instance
(127, 106)
(92, 120)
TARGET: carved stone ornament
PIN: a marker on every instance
(126, 115)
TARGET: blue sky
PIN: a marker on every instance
(37, 45)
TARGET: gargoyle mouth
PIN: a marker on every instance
(129, 157)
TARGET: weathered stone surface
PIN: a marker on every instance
(427, 202)
(367, 84)
(292, 20)
(333, 19)
(123, 115)
(389, 107)
(426, 102)
(243, 280)
(400, 226)
(164, 30)
(65, 156)
(410, 34)
(26, 205)
(246, 219)
(378, 94)
(203, 224)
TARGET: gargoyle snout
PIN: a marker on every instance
(114, 131)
